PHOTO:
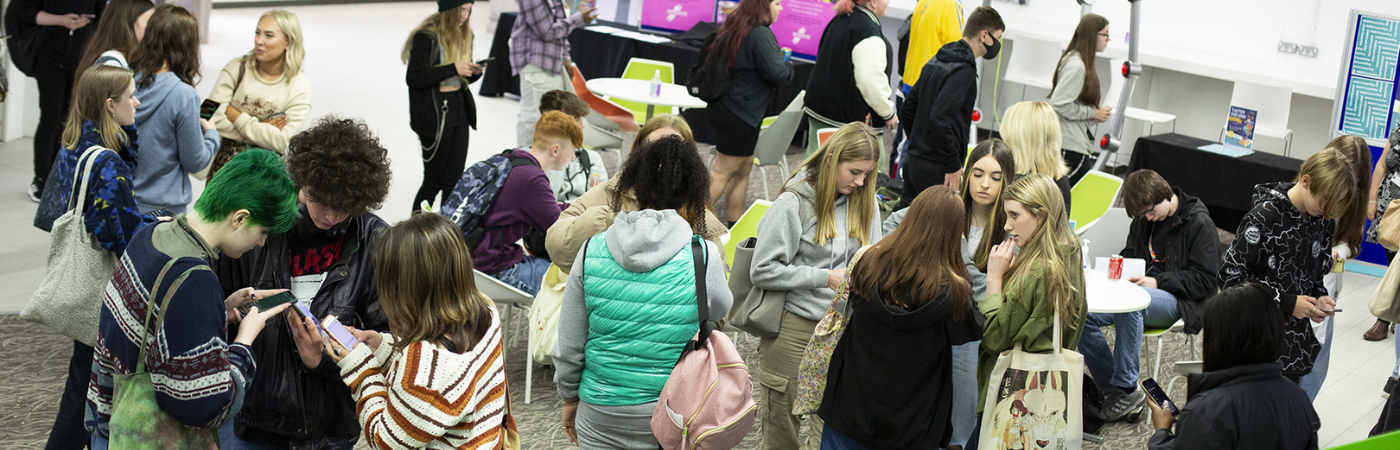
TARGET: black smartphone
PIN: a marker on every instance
(484, 61)
(272, 301)
(206, 109)
(1159, 396)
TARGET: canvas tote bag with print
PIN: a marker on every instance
(1034, 400)
(544, 316)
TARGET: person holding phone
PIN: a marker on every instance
(200, 373)
(63, 30)
(1242, 398)
(437, 378)
(1075, 94)
(539, 50)
(264, 97)
(341, 172)
(441, 111)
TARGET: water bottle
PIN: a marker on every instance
(594, 179)
(656, 84)
(1084, 254)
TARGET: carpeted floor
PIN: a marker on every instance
(34, 362)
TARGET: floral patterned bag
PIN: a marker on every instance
(811, 374)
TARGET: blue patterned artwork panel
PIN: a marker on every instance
(1368, 108)
(1377, 48)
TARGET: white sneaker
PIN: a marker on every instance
(34, 192)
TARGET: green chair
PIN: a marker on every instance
(1156, 333)
(746, 227)
(1387, 441)
(643, 69)
(1092, 197)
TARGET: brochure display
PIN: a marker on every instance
(676, 15)
(800, 25)
(1239, 128)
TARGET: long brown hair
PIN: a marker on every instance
(911, 266)
(995, 231)
(115, 31)
(1352, 225)
(456, 41)
(172, 39)
(1086, 42)
(95, 86)
(426, 285)
(746, 16)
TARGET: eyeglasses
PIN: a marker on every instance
(1103, 35)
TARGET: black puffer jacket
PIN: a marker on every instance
(311, 406)
(1187, 262)
(1249, 406)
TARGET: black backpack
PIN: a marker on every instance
(710, 77)
(23, 40)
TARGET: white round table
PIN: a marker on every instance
(639, 91)
(1113, 296)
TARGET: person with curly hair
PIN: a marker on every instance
(341, 172)
(629, 307)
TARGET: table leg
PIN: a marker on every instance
(651, 111)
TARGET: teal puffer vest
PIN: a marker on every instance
(637, 325)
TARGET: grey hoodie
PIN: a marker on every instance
(1075, 118)
(787, 257)
(640, 241)
(172, 143)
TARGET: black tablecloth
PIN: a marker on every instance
(601, 55)
(1224, 183)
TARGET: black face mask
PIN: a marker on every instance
(994, 49)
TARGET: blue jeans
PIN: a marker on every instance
(1312, 382)
(98, 443)
(833, 440)
(526, 275)
(964, 391)
(1119, 367)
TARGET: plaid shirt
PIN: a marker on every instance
(541, 35)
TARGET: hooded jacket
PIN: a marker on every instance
(787, 257)
(1186, 262)
(1250, 406)
(939, 107)
(592, 214)
(311, 405)
(640, 286)
(1289, 252)
(172, 143)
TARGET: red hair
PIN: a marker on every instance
(746, 16)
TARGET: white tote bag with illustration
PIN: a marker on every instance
(1034, 400)
(544, 316)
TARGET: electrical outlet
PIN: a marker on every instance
(1307, 51)
(1286, 47)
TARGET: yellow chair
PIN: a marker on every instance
(1092, 196)
(746, 227)
(1385, 441)
(643, 69)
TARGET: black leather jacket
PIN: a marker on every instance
(312, 407)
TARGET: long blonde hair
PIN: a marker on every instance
(1039, 195)
(426, 285)
(1033, 131)
(96, 85)
(456, 41)
(853, 142)
(291, 30)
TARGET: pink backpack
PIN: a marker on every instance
(707, 402)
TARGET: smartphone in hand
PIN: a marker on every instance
(1159, 396)
(206, 109)
(485, 60)
(339, 333)
(269, 302)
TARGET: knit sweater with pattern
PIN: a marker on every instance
(426, 396)
(257, 99)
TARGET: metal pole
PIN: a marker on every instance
(1131, 70)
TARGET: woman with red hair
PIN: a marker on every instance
(756, 67)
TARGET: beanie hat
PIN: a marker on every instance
(444, 5)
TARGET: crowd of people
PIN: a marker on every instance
(385, 336)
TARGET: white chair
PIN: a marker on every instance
(1107, 235)
(774, 140)
(1272, 103)
(511, 298)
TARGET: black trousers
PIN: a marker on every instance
(443, 165)
(1079, 165)
(68, 431)
(55, 92)
(920, 175)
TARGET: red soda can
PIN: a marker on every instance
(1115, 267)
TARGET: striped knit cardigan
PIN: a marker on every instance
(427, 397)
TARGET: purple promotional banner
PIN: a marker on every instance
(676, 15)
(800, 25)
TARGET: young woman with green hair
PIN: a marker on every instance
(200, 375)
(826, 212)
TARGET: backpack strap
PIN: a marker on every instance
(702, 297)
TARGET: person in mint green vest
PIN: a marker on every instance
(631, 307)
